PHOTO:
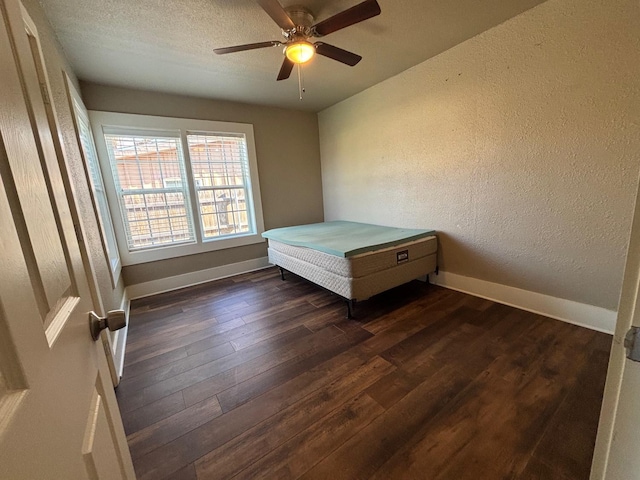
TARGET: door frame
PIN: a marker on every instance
(628, 315)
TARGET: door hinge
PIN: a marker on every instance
(632, 344)
(45, 93)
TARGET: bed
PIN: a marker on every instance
(353, 260)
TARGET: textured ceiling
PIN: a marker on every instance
(166, 46)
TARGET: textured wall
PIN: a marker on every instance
(288, 154)
(56, 64)
(521, 146)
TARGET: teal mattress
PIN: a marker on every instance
(345, 239)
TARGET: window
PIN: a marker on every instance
(94, 178)
(180, 186)
(150, 182)
(220, 171)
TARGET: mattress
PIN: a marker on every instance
(345, 239)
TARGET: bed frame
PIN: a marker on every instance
(359, 277)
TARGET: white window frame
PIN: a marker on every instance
(148, 124)
(110, 245)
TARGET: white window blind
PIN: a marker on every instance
(97, 187)
(151, 186)
(220, 168)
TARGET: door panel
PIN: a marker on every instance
(56, 417)
(41, 192)
(98, 451)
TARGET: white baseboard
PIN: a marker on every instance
(589, 316)
(121, 337)
(154, 287)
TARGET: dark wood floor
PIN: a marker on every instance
(251, 377)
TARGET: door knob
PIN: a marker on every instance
(115, 320)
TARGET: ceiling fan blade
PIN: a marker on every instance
(285, 70)
(248, 46)
(277, 13)
(338, 54)
(351, 16)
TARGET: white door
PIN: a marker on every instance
(617, 452)
(37, 70)
(58, 414)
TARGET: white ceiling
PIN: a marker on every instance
(167, 46)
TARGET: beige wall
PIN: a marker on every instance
(521, 146)
(56, 64)
(288, 154)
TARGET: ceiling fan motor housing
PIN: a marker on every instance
(300, 15)
(303, 20)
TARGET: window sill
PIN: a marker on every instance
(174, 251)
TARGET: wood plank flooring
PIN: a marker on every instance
(251, 377)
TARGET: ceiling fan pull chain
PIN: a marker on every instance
(301, 89)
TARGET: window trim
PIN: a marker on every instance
(132, 123)
(105, 225)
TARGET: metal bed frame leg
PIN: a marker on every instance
(350, 305)
(281, 273)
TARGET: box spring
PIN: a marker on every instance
(361, 276)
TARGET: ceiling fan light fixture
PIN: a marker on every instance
(300, 52)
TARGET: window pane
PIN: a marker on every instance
(223, 212)
(220, 166)
(150, 180)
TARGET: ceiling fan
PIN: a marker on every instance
(298, 28)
